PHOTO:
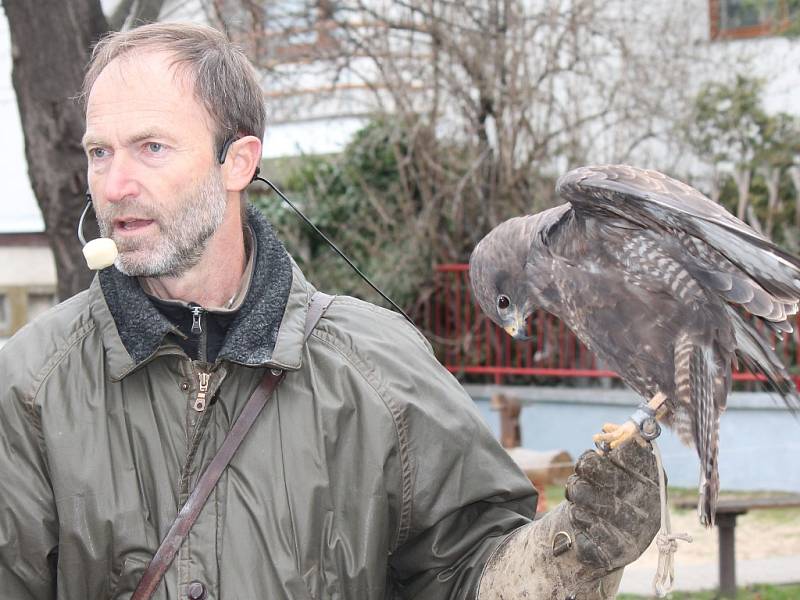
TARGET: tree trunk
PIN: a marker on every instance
(794, 173)
(741, 176)
(772, 179)
(50, 45)
(716, 185)
(753, 221)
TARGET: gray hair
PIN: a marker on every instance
(224, 80)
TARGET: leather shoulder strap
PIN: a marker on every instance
(208, 480)
(316, 309)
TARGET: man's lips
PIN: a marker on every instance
(131, 224)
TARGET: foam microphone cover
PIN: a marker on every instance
(100, 253)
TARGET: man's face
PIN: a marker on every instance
(156, 187)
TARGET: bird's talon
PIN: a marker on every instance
(614, 436)
(602, 447)
(617, 443)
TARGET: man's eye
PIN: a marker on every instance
(98, 152)
(155, 147)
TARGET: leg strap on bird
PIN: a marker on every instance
(645, 420)
(666, 541)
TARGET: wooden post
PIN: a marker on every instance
(726, 523)
(509, 409)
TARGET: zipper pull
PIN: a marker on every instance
(200, 401)
(197, 312)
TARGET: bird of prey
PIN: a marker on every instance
(650, 275)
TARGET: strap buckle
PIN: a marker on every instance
(562, 542)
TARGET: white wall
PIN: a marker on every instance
(27, 265)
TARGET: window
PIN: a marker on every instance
(735, 19)
(3, 311)
(39, 303)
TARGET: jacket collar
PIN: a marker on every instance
(268, 328)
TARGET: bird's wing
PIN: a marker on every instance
(721, 253)
(654, 201)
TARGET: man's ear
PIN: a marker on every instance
(244, 156)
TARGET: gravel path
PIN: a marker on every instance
(767, 551)
(759, 534)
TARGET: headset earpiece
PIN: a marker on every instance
(223, 151)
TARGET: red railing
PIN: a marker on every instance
(468, 343)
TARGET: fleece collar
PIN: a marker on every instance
(268, 328)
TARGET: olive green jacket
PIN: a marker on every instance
(368, 475)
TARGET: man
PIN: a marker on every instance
(368, 475)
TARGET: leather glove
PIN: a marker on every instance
(577, 550)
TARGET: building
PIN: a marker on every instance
(27, 279)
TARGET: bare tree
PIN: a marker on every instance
(50, 44)
(727, 127)
(794, 174)
(482, 104)
(494, 97)
(775, 157)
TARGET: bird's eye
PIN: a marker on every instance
(503, 302)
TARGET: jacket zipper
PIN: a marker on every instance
(197, 314)
(200, 401)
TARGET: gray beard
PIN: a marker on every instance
(184, 231)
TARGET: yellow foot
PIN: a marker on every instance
(614, 435)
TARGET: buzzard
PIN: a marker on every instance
(651, 276)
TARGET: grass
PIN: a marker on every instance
(772, 516)
(753, 592)
(677, 494)
(554, 495)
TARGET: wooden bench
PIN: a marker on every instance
(727, 511)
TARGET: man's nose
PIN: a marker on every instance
(121, 179)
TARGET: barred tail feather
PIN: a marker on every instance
(708, 492)
(702, 369)
(681, 418)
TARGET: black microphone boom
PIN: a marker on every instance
(331, 244)
(221, 158)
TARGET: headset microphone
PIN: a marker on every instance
(99, 253)
(102, 252)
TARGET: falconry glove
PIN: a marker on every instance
(577, 550)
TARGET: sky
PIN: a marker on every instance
(18, 209)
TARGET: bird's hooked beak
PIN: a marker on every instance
(518, 327)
